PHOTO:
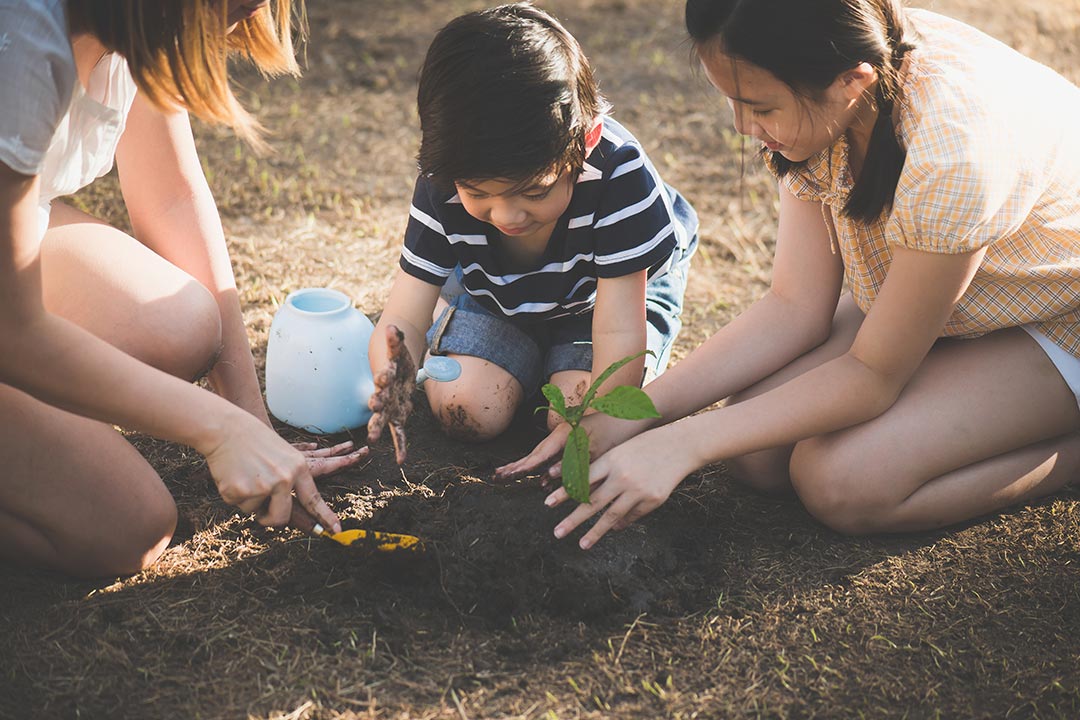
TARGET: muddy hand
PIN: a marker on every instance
(392, 401)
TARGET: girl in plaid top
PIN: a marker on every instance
(916, 361)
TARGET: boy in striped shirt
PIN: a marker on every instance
(542, 244)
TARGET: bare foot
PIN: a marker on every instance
(392, 401)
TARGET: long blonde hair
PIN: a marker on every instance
(178, 50)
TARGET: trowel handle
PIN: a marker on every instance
(300, 519)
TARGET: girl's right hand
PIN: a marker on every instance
(604, 431)
(257, 471)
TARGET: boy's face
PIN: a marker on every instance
(526, 213)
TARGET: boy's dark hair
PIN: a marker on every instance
(504, 93)
(807, 45)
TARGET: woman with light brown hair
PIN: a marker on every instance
(102, 328)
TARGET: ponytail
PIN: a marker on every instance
(806, 45)
(874, 191)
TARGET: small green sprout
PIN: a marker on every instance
(624, 402)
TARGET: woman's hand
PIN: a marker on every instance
(257, 471)
(604, 431)
(327, 461)
(630, 480)
(391, 402)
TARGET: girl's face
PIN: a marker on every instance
(524, 214)
(768, 110)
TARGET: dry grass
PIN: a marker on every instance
(722, 604)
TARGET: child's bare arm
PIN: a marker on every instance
(409, 308)
(619, 328)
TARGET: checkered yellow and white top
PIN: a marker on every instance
(993, 160)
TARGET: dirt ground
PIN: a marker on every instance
(720, 604)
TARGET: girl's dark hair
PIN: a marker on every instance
(807, 44)
(504, 93)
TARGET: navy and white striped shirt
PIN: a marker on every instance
(622, 218)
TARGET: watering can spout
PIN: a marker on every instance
(438, 368)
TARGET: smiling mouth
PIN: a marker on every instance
(513, 231)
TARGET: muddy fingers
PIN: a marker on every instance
(394, 386)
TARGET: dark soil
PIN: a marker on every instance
(720, 604)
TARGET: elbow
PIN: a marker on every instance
(876, 388)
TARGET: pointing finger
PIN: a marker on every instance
(313, 502)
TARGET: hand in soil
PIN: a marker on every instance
(326, 461)
(630, 480)
(604, 433)
(391, 402)
(258, 472)
(544, 454)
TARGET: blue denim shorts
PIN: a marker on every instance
(534, 351)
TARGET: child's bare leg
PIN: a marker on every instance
(574, 384)
(984, 424)
(480, 404)
(767, 470)
(75, 496)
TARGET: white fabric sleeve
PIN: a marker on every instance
(37, 76)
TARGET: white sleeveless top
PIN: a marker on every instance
(53, 127)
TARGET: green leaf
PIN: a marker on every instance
(575, 465)
(611, 370)
(555, 397)
(627, 403)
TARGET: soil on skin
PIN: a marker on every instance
(722, 603)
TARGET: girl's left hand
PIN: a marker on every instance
(630, 480)
(326, 461)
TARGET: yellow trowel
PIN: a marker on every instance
(369, 539)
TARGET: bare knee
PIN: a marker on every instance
(123, 551)
(471, 421)
(835, 489)
(765, 472)
(472, 417)
(146, 541)
(198, 344)
(554, 419)
(183, 339)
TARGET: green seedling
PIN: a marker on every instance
(625, 402)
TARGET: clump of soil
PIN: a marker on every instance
(497, 557)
